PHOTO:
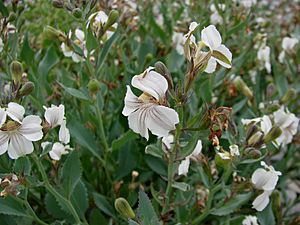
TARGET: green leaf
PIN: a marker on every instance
(74, 92)
(71, 172)
(127, 161)
(27, 54)
(91, 41)
(146, 211)
(22, 166)
(131, 222)
(266, 217)
(189, 148)
(79, 199)
(10, 206)
(3, 9)
(181, 186)
(102, 203)
(105, 50)
(233, 204)
(48, 62)
(156, 164)
(123, 139)
(154, 151)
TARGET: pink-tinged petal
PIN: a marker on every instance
(226, 52)
(261, 201)
(64, 133)
(31, 128)
(4, 138)
(19, 146)
(15, 111)
(137, 122)
(211, 37)
(183, 167)
(161, 120)
(152, 83)
(131, 102)
(2, 117)
(211, 65)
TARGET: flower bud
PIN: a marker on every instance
(289, 95)
(163, 70)
(52, 33)
(58, 3)
(242, 87)
(93, 86)
(112, 18)
(16, 70)
(12, 17)
(123, 207)
(222, 159)
(26, 89)
(277, 205)
(256, 140)
(252, 129)
(273, 134)
(77, 13)
(252, 153)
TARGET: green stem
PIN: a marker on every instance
(57, 195)
(34, 216)
(101, 128)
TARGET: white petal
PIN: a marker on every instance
(19, 146)
(45, 144)
(15, 111)
(131, 102)
(193, 26)
(76, 58)
(264, 180)
(4, 138)
(79, 34)
(64, 133)
(183, 168)
(152, 83)
(66, 50)
(168, 140)
(2, 117)
(198, 148)
(226, 52)
(265, 124)
(211, 37)
(211, 66)
(137, 122)
(161, 120)
(57, 151)
(261, 201)
(31, 128)
(234, 150)
(55, 115)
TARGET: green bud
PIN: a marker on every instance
(163, 70)
(26, 89)
(12, 17)
(58, 3)
(222, 159)
(112, 18)
(256, 140)
(289, 95)
(252, 153)
(93, 86)
(16, 70)
(252, 129)
(123, 207)
(273, 134)
(53, 34)
(77, 13)
(242, 87)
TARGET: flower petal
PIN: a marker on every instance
(55, 115)
(2, 117)
(57, 151)
(183, 167)
(211, 37)
(152, 83)
(265, 124)
(211, 65)
(161, 120)
(31, 128)
(79, 34)
(15, 111)
(131, 102)
(261, 201)
(137, 121)
(197, 149)
(64, 133)
(226, 52)
(19, 146)
(4, 138)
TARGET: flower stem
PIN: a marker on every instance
(101, 128)
(57, 195)
(34, 216)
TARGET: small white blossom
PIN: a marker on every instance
(250, 220)
(57, 150)
(64, 133)
(148, 112)
(14, 111)
(288, 44)
(263, 56)
(247, 3)
(234, 150)
(55, 115)
(215, 17)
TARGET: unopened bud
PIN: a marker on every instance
(148, 58)
(52, 33)
(273, 134)
(58, 3)
(253, 128)
(242, 87)
(12, 17)
(93, 86)
(77, 13)
(123, 207)
(289, 95)
(16, 70)
(222, 159)
(26, 89)
(135, 174)
(163, 70)
(252, 153)
(256, 140)
(112, 18)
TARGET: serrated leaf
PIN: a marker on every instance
(48, 62)
(56, 209)
(71, 173)
(79, 199)
(102, 203)
(123, 139)
(233, 204)
(10, 206)
(75, 92)
(146, 211)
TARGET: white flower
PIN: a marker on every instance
(64, 133)
(147, 111)
(14, 111)
(234, 150)
(178, 41)
(265, 180)
(288, 124)
(263, 55)
(80, 41)
(288, 44)
(1, 45)
(265, 124)
(98, 21)
(57, 150)
(215, 17)
(55, 115)
(16, 138)
(250, 220)
(211, 37)
(168, 141)
(247, 3)
(185, 164)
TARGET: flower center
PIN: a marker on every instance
(11, 126)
